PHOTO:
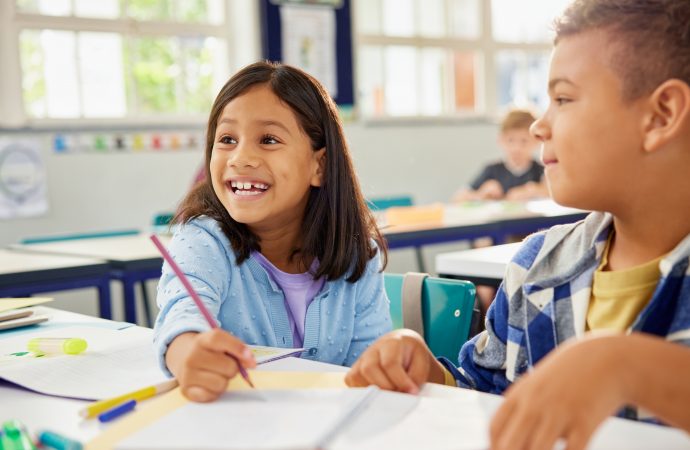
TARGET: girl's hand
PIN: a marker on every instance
(398, 361)
(567, 396)
(201, 364)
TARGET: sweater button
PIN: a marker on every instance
(313, 351)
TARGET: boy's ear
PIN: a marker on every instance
(319, 167)
(669, 111)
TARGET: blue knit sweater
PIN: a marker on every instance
(341, 322)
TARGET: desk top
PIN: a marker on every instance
(485, 262)
(60, 414)
(116, 249)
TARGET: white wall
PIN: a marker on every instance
(95, 192)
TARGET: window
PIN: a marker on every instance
(120, 60)
(431, 58)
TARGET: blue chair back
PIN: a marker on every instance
(382, 203)
(447, 307)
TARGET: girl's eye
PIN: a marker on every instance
(560, 101)
(269, 140)
(227, 140)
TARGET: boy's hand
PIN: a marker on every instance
(567, 396)
(398, 361)
(490, 190)
(201, 364)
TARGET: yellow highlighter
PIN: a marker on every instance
(68, 346)
(98, 407)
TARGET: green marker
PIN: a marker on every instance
(15, 437)
(69, 346)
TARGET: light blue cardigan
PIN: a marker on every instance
(342, 320)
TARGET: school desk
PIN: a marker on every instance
(24, 273)
(131, 259)
(61, 414)
(484, 266)
(448, 223)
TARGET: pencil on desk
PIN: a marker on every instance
(98, 407)
(202, 308)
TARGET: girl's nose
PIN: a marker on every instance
(244, 155)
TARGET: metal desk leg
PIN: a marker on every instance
(130, 300)
(104, 303)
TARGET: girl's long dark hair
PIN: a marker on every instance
(338, 227)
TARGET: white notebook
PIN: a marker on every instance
(335, 419)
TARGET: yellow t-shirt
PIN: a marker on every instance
(619, 296)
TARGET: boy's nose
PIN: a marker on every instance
(539, 129)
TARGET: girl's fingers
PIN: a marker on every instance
(223, 342)
(203, 386)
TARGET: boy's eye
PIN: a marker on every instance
(227, 140)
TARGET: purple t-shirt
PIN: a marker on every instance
(299, 290)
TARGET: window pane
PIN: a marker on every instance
(401, 80)
(61, 77)
(102, 75)
(47, 7)
(33, 77)
(368, 16)
(466, 19)
(433, 81)
(432, 18)
(526, 20)
(154, 71)
(149, 9)
(200, 11)
(370, 81)
(522, 78)
(398, 17)
(102, 9)
(464, 65)
(197, 74)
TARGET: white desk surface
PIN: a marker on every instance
(38, 411)
(485, 262)
(116, 248)
(12, 262)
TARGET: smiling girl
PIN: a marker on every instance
(277, 241)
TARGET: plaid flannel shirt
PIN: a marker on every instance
(544, 298)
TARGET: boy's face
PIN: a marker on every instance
(262, 163)
(592, 140)
(519, 146)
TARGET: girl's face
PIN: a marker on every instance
(262, 163)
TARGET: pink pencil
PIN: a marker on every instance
(197, 300)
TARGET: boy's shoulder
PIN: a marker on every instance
(559, 249)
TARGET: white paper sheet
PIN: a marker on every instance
(115, 362)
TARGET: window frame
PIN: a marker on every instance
(13, 22)
(486, 48)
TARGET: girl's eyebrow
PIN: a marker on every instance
(259, 122)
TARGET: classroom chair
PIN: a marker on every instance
(440, 309)
(383, 203)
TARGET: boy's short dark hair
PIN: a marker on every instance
(650, 39)
(517, 119)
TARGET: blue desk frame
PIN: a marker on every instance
(61, 279)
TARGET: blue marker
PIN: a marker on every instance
(58, 442)
(117, 411)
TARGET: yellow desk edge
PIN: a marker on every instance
(152, 410)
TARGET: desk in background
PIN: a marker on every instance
(131, 259)
(483, 266)
(23, 274)
(435, 224)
